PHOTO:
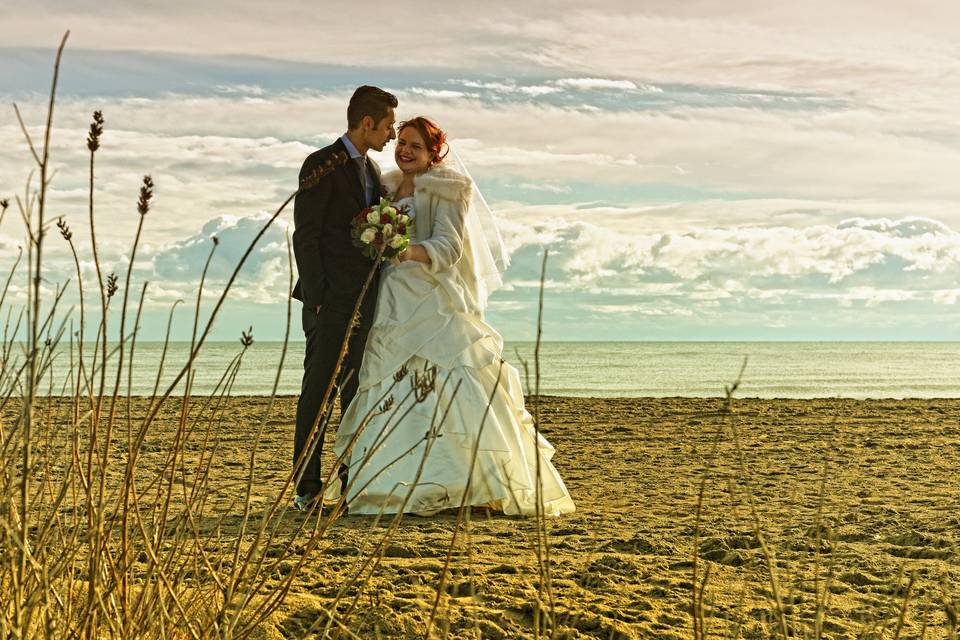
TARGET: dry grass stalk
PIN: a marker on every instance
(87, 553)
(822, 594)
(768, 555)
(698, 586)
(462, 509)
(545, 584)
(46, 588)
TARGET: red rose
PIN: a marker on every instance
(378, 238)
(366, 211)
(401, 229)
(384, 219)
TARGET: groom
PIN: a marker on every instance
(332, 271)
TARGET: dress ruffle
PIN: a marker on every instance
(417, 314)
(417, 455)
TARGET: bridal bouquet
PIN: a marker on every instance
(382, 230)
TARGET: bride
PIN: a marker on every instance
(469, 440)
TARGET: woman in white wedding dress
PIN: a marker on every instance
(470, 435)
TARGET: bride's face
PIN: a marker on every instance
(411, 153)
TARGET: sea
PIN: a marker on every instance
(599, 369)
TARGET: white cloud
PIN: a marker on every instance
(536, 90)
(206, 152)
(658, 309)
(264, 276)
(875, 271)
(441, 94)
(248, 89)
(856, 260)
(862, 46)
(872, 296)
(586, 84)
(760, 158)
(545, 187)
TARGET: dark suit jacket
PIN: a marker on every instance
(332, 271)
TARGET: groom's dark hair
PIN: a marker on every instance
(369, 101)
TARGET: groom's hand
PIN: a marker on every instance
(317, 309)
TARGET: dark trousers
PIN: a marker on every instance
(325, 332)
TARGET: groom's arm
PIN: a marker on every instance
(309, 212)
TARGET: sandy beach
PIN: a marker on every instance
(881, 474)
(622, 566)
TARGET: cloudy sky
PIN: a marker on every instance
(698, 170)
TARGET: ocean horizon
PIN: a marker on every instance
(696, 369)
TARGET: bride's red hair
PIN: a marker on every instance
(433, 136)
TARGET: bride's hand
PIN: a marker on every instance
(416, 253)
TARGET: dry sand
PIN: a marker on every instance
(622, 564)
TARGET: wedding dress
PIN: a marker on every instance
(469, 440)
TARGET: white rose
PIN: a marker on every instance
(368, 235)
(395, 242)
(390, 211)
(403, 218)
(388, 230)
(373, 217)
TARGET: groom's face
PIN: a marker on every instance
(379, 134)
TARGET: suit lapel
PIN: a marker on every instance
(377, 187)
(353, 178)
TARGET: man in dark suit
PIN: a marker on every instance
(332, 271)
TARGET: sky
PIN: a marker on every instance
(698, 170)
